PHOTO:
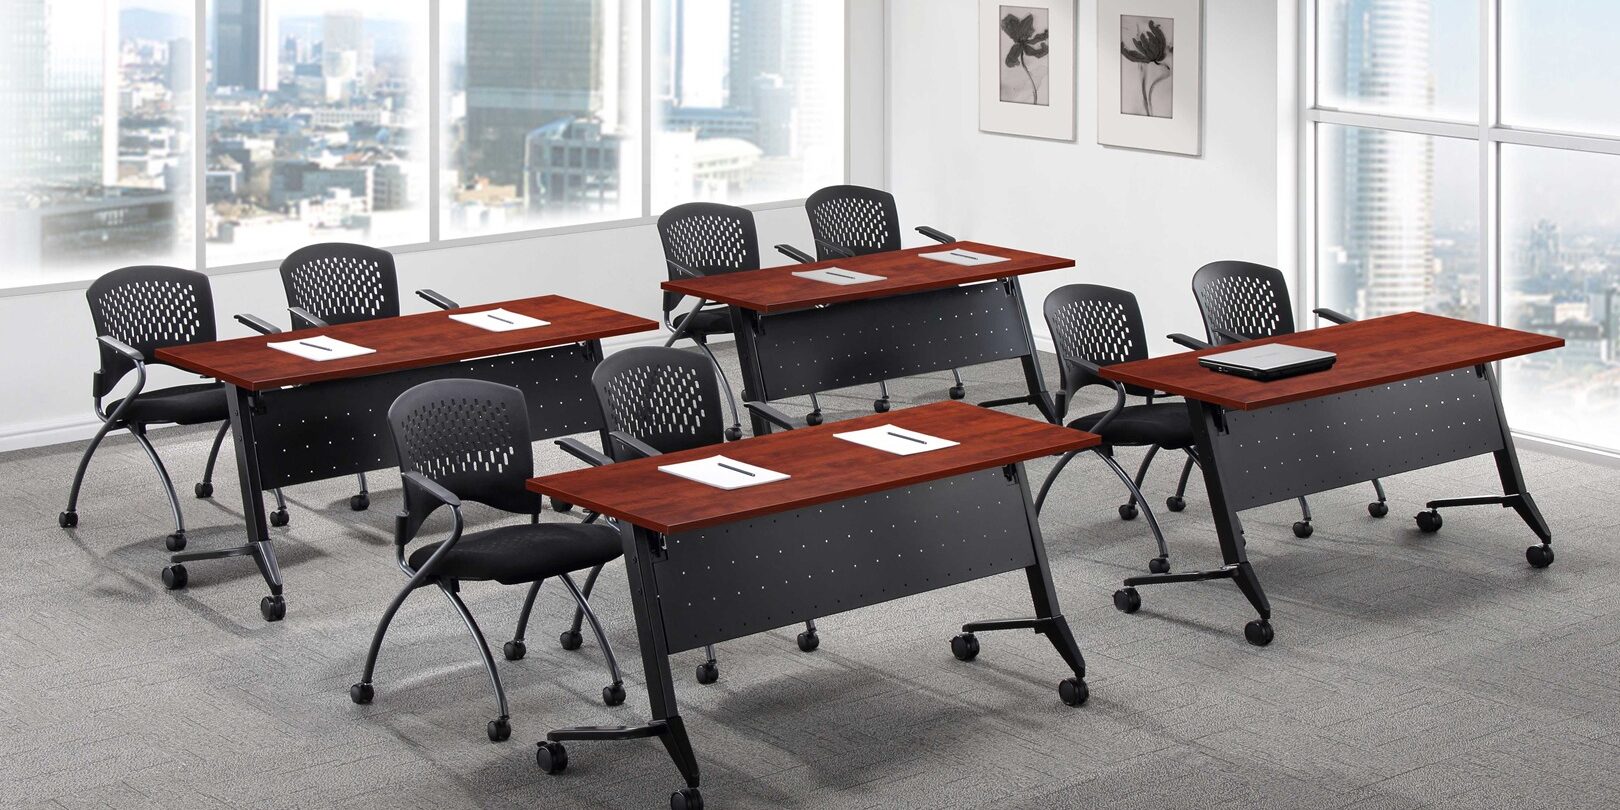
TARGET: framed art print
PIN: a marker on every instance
(1027, 64)
(1150, 74)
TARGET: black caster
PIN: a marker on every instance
(274, 608)
(1303, 529)
(809, 641)
(175, 542)
(958, 392)
(965, 647)
(204, 490)
(1258, 632)
(514, 650)
(561, 506)
(359, 503)
(813, 419)
(278, 518)
(1073, 691)
(1127, 600)
(1159, 565)
(174, 577)
(733, 433)
(1127, 511)
(686, 799)
(1539, 556)
(552, 757)
(708, 672)
(361, 693)
(1175, 503)
(570, 639)
(880, 406)
(613, 694)
(1378, 509)
(499, 730)
(68, 519)
(1429, 522)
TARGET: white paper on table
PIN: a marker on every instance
(896, 440)
(964, 257)
(321, 348)
(724, 473)
(498, 320)
(839, 276)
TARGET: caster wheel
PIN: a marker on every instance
(278, 518)
(68, 520)
(808, 641)
(570, 639)
(499, 730)
(708, 673)
(965, 647)
(733, 433)
(880, 406)
(361, 693)
(1429, 522)
(686, 799)
(1303, 529)
(813, 419)
(613, 694)
(1127, 511)
(1258, 632)
(552, 757)
(359, 503)
(514, 650)
(1378, 509)
(174, 577)
(1539, 556)
(1175, 503)
(561, 506)
(274, 608)
(1127, 600)
(1073, 691)
(175, 542)
(958, 392)
(204, 490)
(1158, 565)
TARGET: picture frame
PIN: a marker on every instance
(1150, 75)
(1027, 68)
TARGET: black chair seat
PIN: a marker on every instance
(1164, 424)
(183, 405)
(525, 553)
(707, 322)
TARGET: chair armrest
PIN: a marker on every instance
(769, 414)
(1333, 315)
(1231, 337)
(258, 324)
(301, 314)
(431, 488)
(795, 254)
(935, 234)
(1188, 341)
(583, 452)
(640, 448)
(122, 348)
(436, 299)
(835, 251)
(682, 269)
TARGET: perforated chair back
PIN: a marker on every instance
(148, 307)
(1244, 298)
(667, 398)
(340, 282)
(1101, 325)
(471, 437)
(858, 219)
(704, 239)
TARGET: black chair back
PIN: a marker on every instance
(704, 239)
(148, 307)
(856, 219)
(1243, 298)
(667, 398)
(1101, 325)
(340, 282)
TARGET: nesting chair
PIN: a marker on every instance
(1241, 301)
(468, 440)
(136, 311)
(1094, 326)
(664, 400)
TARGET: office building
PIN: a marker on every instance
(246, 49)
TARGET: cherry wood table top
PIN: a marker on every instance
(408, 341)
(823, 468)
(1373, 352)
(776, 289)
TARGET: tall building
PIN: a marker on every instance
(59, 88)
(759, 45)
(246, 48)
(342, 44)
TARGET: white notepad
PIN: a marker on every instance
(321, 348)
(839, 276)
(896, 440)
(724, 473)
(498, 320)
(964, 257)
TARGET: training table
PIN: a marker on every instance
(852, 527)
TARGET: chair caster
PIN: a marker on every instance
(570, 639)
(174, 577)
(279, 518)
(686, 799)
(813, 419)
(359, 503)
(1127, 511)
(561, 506)
(965, 647)
(273, 608)
(1159, 565)
(880, 406)
(1175, 503)
(1429, 522)
(68, 519)
(552, 757)
(204, 490)
(613, 694)
(958, 392)
(514, 650)
(809, 641)
(499, 730)
(1073, 691)
(361, 693)
(1258, 632)
(734, 433)
(1127, 600)
(1378, 509)
(175, 542)
(708, 672)
(1303, 529)
(1539, 556)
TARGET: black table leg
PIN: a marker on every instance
(1034, 379)
(746, 326)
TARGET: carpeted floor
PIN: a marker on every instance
(1409, 670)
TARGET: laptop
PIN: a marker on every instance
(1273, 361)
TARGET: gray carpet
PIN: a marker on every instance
(1409, 670)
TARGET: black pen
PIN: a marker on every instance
(498, 318)
(838, 274)
(961, 255)
(314, 345)
(907, 438)
(736, 469)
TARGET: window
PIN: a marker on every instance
(1429, 195)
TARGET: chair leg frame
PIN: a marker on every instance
(584, 606)
(448, 588)
(1125, 477)
(725, 385)
(139, 432)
